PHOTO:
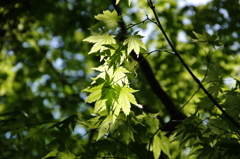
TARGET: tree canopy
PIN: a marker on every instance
(119, 79)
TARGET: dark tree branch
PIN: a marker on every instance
(157, 89)
(154, 84)
(158, 23)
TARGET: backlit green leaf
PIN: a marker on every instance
(129, 2)
(156, 146)
(134, 43)
(100, 40)
(110, 19)
(105, 125)
(95, 95)
(125, 98)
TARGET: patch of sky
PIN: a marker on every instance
(56, 112)
(9, 52)
(25, 44)
(186, 21)
(7, 135)
(56, 42)
(70, 6)
(79, 57)
(182, 37)
(148, 33)
(80, 130)
(83, 108)
(80, 73)
(235, 46)
(71, 73)
(54, 86)
(59, 64)
(49, 54)
(216, 27)
(60, 95)
(183, 3)
(45, 78)
(230, 82)
(42, 81)
(17, 67)
(224, 13)
(190, 12)
(46, 102)
(83, 96)
(187, 151)
(208, 29)
(43, 42)
(67, 54)
(40, 30)
(235, 34)
(34, 86)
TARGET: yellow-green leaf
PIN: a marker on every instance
(110, 19)
(156, 146)
(95, 95)
(104, 127)
(100, 40)
(125, 98)
(134, 43)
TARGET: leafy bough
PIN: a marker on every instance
(111, 90)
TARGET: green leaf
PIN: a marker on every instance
(51, 154)
(105, 125)
(118, 75)
(117, 56)
(100, 105)
(66, 155)
(214, 73)
(36, 137)
(215, 89)
(117, 1)
(232, 103)
(205, 104)
(206, 39)
(129, 2)
(110, 19)
(156, 146)
(164, 144)
(125, 98)
(160, 143)
(96, 93)
(134, 43)
(100, 40)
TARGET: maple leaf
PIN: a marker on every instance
(206, 39)
(100, 40)
(134, 43)
(95, 95)
(118, 75)
(117, 54)
(105, 125)
(129, 2)
(156, 146)
(110, 19)
(126, 98)
(214, 73)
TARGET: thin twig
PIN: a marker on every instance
(150, 3)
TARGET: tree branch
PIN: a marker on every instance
(158, 23)
(154, 84)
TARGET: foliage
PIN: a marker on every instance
(74, 86)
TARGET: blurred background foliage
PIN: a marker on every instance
(44, 66)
